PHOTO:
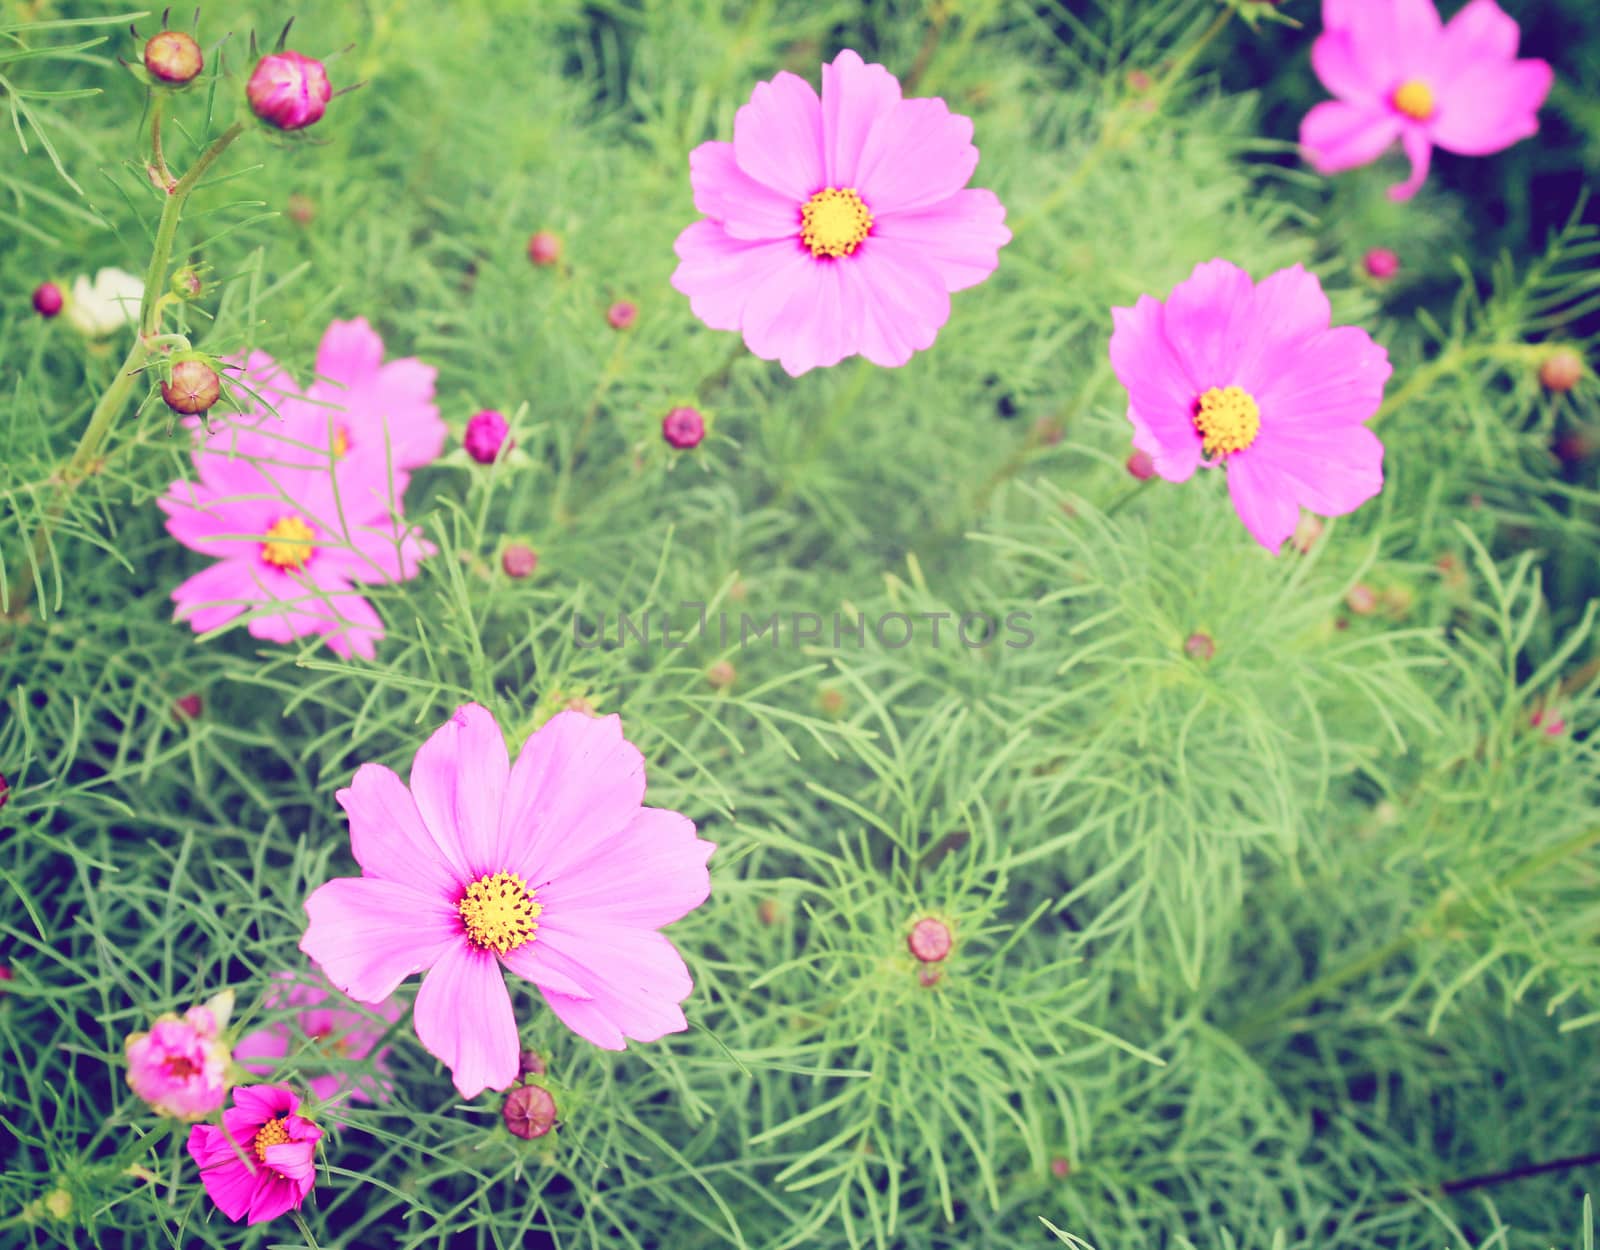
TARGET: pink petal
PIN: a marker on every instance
(742, 206)
(1287, 308)
(918, 155)
(293, 1159)
(1161, 392)
(536, 962)
(230, 1185)
(271, 1042)
(1482, 31)
(350, 352)
(960, 237)
(369, 935)
(458, 780)
(576, 782)
(1209, 324)
(796, 316)
(718, 272)
(650, 873)
(1391, 38)
(463, 1018)
(1330, 471)
(856, 97)
(392, 552)
(273, 1197)
(895, 299)
(1337, 64)
(635, 977)
(390, 840)
(1336, 136)
(350, 625)
(1419, 151)
(1268, 510)
(777, 137)
(216, 595)
(260, 1103)
(216, 523)
(1491, 106)
(1335, 377)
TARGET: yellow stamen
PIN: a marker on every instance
(1415, 100)
(499, 912)
(834, 221)
(1228, 418)
(272, 1133)
(289, 544)
(341, 442)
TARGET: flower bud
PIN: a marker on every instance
(173, 57)
(289, 91)
(1361, 599)
(58, 1202)
(768, 912)
(721, 675)
(301, 209)
(1549, 721)
(1562, 370)
(832, 701)
(192, 388)
(544, 248)
(5, 790)
(1060, 1168)
(47, 299)
(486, 433)
(622, 314)
(529, 1112)
(930, 977)
(1200, 646)
(1306, 532)
(930, 940)
(188, 707)
(519, 561)
(1381, 264)
(683, 428)
(186, 283)
(531, 1063)
(1048, 431)
(1141, 465)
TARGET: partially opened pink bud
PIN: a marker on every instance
(173, 57)
(188, 707)
(529, 1112)
(485, 434)
(289, 91)
(930, 940)
(622, 314)
(683, 428)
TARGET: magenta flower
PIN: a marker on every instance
(550, 869)
(1399, 74)
(288, 90)
(259, 1164)
(301, 504)
(180, 1066)
(341, 1033)
(838, 226)
(1251, 377)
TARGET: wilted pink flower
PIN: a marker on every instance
(485, 433)
(180, 1066)
(550, 869)
(1399, 74)
(261, 1162)
(340, 1033)
(837, 226)
(288, 90)
(1229, 373)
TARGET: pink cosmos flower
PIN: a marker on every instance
(301, 504)
(180, 1066)
(1252, 377)
(837, 226)
(550, 868)
(1399, 74)
(259, 1164)
(343, 1034)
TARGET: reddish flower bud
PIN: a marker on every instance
(1381, 263)
(5, 790)
(1139, 81)
(768, 912)
(1562, 370)
(519, 561)
(1141, 466)
(1306, 532)
(301, 209)
(930, 977)
(6, 974)
(1549, 721)
(193, 387)
(187, 284)
(1060, 1168)
(531, 1063)
(1362, 599)
(544, 248)
(47, 299)
(831, 701)
(173, 57)
(486, 431)
(289, 91)
(529, 1111)
(930, 940)
(188, 707)
(721, 675)
(1200, 646)
(622, 314)
(683, 428)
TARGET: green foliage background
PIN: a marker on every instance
(1263, 950)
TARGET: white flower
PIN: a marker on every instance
(106, 305)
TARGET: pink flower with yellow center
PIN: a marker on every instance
(839, 225)
(342, 1034)
(261, 1162)
(1399, 74)
(550, 868)
(1253, 379)
(180, 1066)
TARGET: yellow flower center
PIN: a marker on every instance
(1228, 419)
(834, 221)
(1415, 100)
(341, 442)
(289, 544)
(272, 1133)
(499, 912)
